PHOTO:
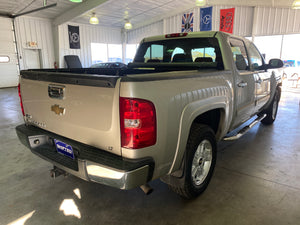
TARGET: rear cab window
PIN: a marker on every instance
(202, 52)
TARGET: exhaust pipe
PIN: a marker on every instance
(55, 172)
(147, 189)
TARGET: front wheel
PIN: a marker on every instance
(272, 110)
(201, 152)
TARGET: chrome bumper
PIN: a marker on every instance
(112, 177)
(117, 178)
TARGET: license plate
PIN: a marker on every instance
(64, 149)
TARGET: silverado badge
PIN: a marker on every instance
(58, 110)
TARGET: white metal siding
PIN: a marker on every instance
(88, 34)
(35, 30)
(274, 21)
(135, 36)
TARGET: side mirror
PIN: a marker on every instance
(275, 63)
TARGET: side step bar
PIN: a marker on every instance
(245, 129)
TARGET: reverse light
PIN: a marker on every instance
(21, 102)
(176, 35)
(137, 122)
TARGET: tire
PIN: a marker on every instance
(272, 110)
(200, 160)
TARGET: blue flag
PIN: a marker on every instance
(205, 18)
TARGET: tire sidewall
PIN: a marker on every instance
(270, 118)
(205, 133)
(275, 100)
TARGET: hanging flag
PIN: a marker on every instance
(187, 22)
(226, 20)
(74, 38)
(205, 18)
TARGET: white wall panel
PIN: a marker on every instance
(135, 36)
(274, 21)
(88, 34)
(35, 30)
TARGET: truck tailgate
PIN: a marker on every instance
(81, 109)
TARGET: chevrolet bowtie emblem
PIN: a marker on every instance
(58, 110)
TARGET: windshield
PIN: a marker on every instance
(197, 51)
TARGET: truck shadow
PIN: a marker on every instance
(73, 201)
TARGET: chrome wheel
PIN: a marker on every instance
(201, 162)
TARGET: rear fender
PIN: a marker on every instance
(189, 114)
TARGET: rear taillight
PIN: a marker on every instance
(137, 122)
(21, 102)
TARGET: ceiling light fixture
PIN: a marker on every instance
(128, 25)
(200, 2)
(76, 1)
(94, 19)
(296, 4)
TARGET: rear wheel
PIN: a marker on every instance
(200, 161)
(272, 110)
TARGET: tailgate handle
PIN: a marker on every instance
(56, 91)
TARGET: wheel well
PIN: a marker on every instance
(211, 118)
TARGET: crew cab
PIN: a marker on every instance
(161, 117)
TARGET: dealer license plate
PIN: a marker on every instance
(64, 149)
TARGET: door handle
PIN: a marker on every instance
(56, 91)
(242, 84)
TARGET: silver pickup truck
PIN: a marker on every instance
(161, 117)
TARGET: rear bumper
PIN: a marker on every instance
(90, 163)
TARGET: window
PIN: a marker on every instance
(176, 51)
(255, 58)
(202, 52)
(99, 52)
(239, 54)
(102, 52)
(154, 53)
(114, 53)
(269, 46)
(291, 47)
(130, 52)
(4, 59)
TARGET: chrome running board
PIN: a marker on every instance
(245, 129)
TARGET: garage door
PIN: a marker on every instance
(8, 57)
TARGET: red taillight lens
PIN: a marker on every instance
(21, 102)
(138, 123)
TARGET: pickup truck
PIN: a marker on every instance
(161, 117)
